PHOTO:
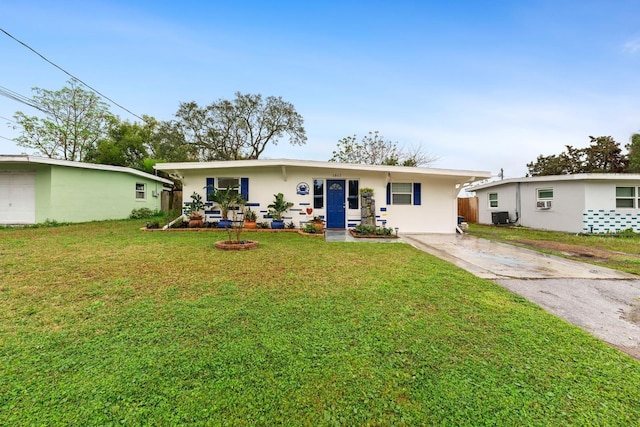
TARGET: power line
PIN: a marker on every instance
(21, 98)
(7, 118)
(71, 75)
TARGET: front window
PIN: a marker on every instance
(493, 200)
(141, 191)
(318, 193)
(545, 194)
(545, 198)
(353, 193)
(626, 197)
(224, 183)
(401, 193)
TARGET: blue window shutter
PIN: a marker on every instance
(210, 188)
(388, 193)
(244, 188)
(417, 197)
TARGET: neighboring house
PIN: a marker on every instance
(411, 198)
(582, 203)
(36, 189)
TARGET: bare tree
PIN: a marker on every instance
(241, 128)
(374, 149)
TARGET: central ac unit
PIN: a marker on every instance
(544, 204)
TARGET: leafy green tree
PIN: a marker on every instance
(142, 145)
(167, 142)
(125, 145)
(634, 153)
(550, 165)
(75, 119)
(374, 149)
(241, 128)
(604, 155)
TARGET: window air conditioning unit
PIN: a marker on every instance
(545, 204)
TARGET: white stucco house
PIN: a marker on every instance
(582, 203)
(413, 199)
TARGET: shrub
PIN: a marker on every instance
(153, 224)
(627, 233)
(370, 230)
(141, 213)
(310, 228)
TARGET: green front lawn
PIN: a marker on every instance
(102, 324)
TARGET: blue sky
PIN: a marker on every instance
(483, 85)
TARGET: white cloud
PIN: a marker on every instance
(632, 46)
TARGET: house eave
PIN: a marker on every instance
(459, 176)
(4, 158)
(559, 178)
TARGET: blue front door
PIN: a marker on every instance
(335, 204)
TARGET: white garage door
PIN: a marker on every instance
(17, 197)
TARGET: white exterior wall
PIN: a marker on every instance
(578, 206)
(436, 214)
(566, 209)
(565, 214)
(601, 215)
(506, 203)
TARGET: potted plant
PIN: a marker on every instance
(277, 210)
(194, 208)
(366, 192)
(318, 223)
(226, 200)
(250, 218)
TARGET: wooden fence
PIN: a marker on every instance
(171, 200)
(468, 208)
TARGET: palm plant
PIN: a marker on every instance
(226, 200)
(279, 207)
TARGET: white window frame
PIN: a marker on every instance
(141, 191)
(401, 193)
(544, 202)
(492, 201)
(234, 188)
(634, 197)
(228, 178)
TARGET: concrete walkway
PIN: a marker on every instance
(345, 236)
(601, 301)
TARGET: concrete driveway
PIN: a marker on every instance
(603, 302)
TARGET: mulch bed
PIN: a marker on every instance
(234, 245)
(371, 236)
(311, 234)
(211, 229)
